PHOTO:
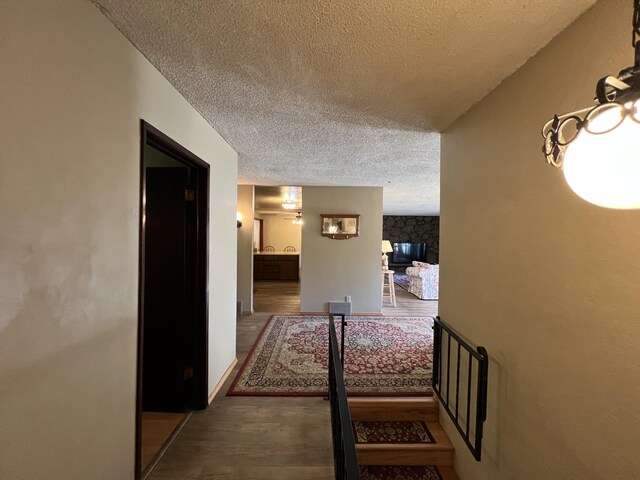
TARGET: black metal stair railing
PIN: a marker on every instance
(470, 371)
(345, 460)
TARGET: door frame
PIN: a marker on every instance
(153, 137)
(261, 233)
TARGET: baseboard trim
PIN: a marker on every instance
(218, 386)
(354, 314)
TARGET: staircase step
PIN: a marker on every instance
(428, 472)
(392, 431)
(407, 454)
(394, 460)
(390, 408)
(438, 452)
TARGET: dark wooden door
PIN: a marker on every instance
(168, 291)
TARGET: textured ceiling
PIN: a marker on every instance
(339, 92)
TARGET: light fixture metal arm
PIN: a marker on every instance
(612, 92)
(636, 30)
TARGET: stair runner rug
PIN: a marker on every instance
(384, 356)
(402, 280)
(394, 472)
(391, 432)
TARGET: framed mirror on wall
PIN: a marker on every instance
(340, 226)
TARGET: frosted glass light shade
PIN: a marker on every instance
(604, 169)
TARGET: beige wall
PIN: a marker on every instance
(245, 247)
(73, 91)
(547, 282)
(332, 269)
(280, 231)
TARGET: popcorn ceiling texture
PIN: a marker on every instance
(339, 92)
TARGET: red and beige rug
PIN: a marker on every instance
(393, 472)
(383, 356)
(391, 432)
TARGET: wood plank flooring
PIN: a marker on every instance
(252, 437)
(276, 297)
(262, 438)
(157, 427)
(408, 305)
(284, 297)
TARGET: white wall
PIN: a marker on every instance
(332, 269)
(547, 282)
(246, 200)
(281, 232)
(73, 91)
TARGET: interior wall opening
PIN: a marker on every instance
(172, 331)
(277, 249)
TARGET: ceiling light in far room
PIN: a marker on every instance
(298, 220)
(289, 203)
(238, 219)
(598, 148)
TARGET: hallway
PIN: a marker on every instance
(252, 437)
(261, 438)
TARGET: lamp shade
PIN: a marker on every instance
(386, 246)
(604, 169)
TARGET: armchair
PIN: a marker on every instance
(424, 280)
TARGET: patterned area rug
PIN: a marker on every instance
(384, 472)
(402, 280)
(383, 356)
(391, 432)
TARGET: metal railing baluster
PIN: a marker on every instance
(345, 460)
(469, 374)
(448, 363)
(481, 357)
(457, 381)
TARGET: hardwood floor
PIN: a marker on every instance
(411, 306)
(284, 297)
(252, 437)
(157, 427)
(276, 297)
(262, 438)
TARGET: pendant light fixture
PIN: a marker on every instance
(598, 148)
(298, 220)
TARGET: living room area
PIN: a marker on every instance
(412, 245)
(271, 222)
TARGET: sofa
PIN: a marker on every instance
(424, 280)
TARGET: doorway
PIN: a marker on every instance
(172, 377)
(277, 253)
(258, 235)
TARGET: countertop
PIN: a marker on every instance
(277, 253)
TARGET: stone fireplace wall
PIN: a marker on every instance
(414, 229)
